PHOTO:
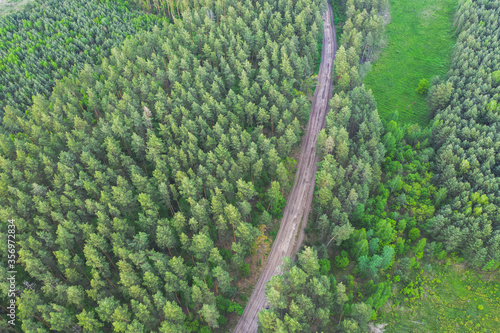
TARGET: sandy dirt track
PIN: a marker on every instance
(296, 212)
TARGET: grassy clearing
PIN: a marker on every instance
(419, 45)
(8, 6)
(455, 300)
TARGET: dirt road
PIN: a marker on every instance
(296, 212)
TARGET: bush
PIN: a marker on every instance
(423, 86)
(342, 261)
(496, 76)
(414, 234)
(222, 303)
(400, 246)
(265, 218)
(205, 329)
(235, 307)
(226, 254)
(244, 270)
(192, 326)
(325, 266)
(222, 320)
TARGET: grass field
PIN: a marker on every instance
(419, 40)
(8, 6)
(455, 300)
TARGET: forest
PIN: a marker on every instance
(50, 39)
(466, 137)
(137, 185)
(148, 147)
(393, 199)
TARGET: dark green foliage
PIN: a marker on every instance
(351, 123)
(466, 135)
(439, 96)
(226, 254)
(244, 270)
(206, 329)
(362, 313)
(192, 326)
(325, 266)
(222, 320)
(128, 180)
(223, 303)
(350, 146)
(47, 40)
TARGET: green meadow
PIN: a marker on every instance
(419, 44)
(452, 299)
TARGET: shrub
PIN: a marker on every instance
(235, 307)
(244, 270)
(222, 303)
(423, 86)
(342, 260)
(325, 266)
(496, 76)
(414, 234)
(222, 320)
(226, 254)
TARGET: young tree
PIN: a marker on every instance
(210, 314)
(275, 198)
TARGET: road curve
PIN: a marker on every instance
(296, 212)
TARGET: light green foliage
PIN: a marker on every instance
(275, 199)
(298, 296)
(349, 326)
(414, 234)
(210, 314)
(380, 293)
(385, 231)
(419, 248)
(496, 76)
(423, 86)
(456, 297)
(308, 259)
(342, 260)
(492, 106)
(324, 266)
